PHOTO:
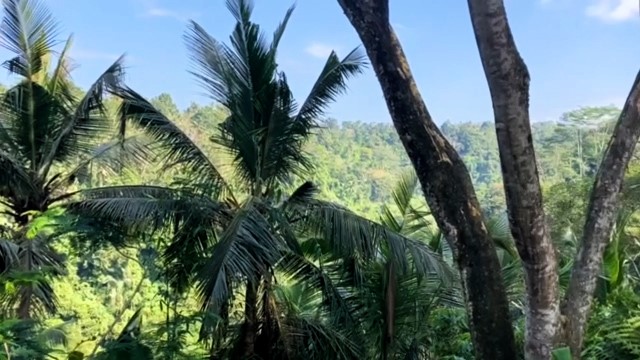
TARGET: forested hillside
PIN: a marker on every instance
(358, 163)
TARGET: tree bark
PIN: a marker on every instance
(601, 216)
(508, 80)
(444, 179)
(249, 331)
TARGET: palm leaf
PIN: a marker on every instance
(143, 206)
(285, 133)
(85, 121)
(331, 83)
(112, 156)
(14, 180)
(246, 248)
(193, 237)
(212, 69)
(30, 115)
(301, 270)
(277, 34)
(412, 222)
(176, 147)
(28, 30)
(352, 235)
(31, 274)
(59, 81)
(498, 228)
(242, 78)
(8, 255)
(319, 340)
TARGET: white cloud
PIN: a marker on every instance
(614, 10)
(153, 8)
(167, 13)
(319, 50)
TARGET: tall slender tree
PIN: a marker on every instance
(49, 134)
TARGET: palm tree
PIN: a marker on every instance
(48, 136)
(242, 240)
(397, 304)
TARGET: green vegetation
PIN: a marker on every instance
(254, 227)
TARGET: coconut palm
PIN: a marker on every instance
(240, 236)
(396, 303)
(48, 136)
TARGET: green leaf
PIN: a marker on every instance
(563, 353)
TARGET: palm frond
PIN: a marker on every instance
(85, 120)
(28, 30)
(334, 299)
(498, 228)
(6, 140)
(53, 336)
(176, 147)
(112, 156)
(320, 340)
(143, 206)
(193, 237)
(412, 222)
(405, 190)
(331, 83)
(30, 115)
(31, 275)
(14, 180)
(247, 247)
(8, 255)
(59, 81)
(352, 235)
(212, 68)
(242, 77)
(281, 140)
(277, 34)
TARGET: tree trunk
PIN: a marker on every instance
(389, 309)
(24, 305)
(250, 325)
(444, 179)
(600, 219)
(508, 80)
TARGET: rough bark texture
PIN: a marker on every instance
(444, 180)
(601, 216)
(508, 80)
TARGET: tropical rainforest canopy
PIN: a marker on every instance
(255, 226)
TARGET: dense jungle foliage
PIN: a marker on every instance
(255, 227)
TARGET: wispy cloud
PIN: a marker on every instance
(614, 10)
(319, 50)
(161, 12)
(152, 8)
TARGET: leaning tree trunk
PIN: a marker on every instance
(508, 80)
(601, 216)
(444, 179)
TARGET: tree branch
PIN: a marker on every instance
(508, 80)
(601, 216)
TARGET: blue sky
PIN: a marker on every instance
(579, 52)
